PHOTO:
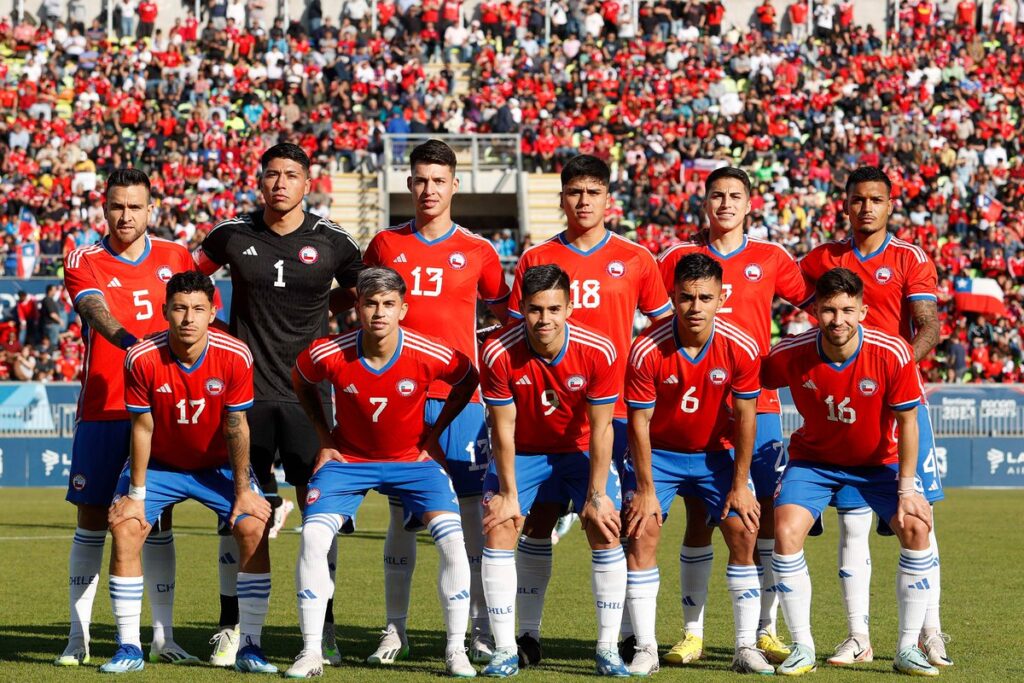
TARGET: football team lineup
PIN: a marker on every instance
(574, 418)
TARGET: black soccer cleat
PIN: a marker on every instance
(627, 648)
(529, 651)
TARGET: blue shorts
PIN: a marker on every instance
(769, 455)
(620, 444)
(98, 454)
(707, 476)
(465, 444)
(812, 485)
(553, 478)
(213, 487)
(339, 487)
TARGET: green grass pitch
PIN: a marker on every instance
(983, 598)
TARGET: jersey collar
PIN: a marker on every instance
(588, 252)
(737, 250)
(561, 354)
(679, 344)
(387, 366)
(876, 252)
(197, 364)
(839, 367)
(145, 252)
(419, 235)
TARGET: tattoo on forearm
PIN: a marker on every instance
(232, 426)
(94, 311)
(596, 497)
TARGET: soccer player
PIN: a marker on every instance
(449, 267)
(679, 375)
(900, 294)
(187, 390)
(552, 388)
(282, 262)
(117, 286)
(858, 390)
(610, 278)
(753, 272)
(381, 374)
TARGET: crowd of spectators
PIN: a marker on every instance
(796, 100)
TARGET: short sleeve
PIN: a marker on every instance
(372, 255)
(456, 369)
(605, 384)
(215, 246)
(79, 278)
(667, 267)
(922, 281)
(350, 264)
(654, 299)
(136, 385)
(492, 286)
(640, 388)
(905, 383)
(240, 394)
(790, 282)
(494, 379)
(773, 374)
(515, 297)
(312, 371)
(746, 381)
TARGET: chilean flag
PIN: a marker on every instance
(991, 208)
(978, 295)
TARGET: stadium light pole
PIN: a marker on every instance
(810, 19)
(547, 22)
(21, 11)
(110, 17)
(373, 16)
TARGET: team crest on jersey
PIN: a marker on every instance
(406, 387)
(164, 273)
(457, 260)
(718, 376)
(616, 269)
(214, 386)
(312, 496)
(78, 482)
(575, 382)
(883, 275)
(309, 255)
(753, 272)
(868, 387)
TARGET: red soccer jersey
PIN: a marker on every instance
(379, 413)
(550, 398)
(848, 408)
(756, 272)
(609, 283)
(688, 394)
(444, 277)
(188, 404)
(135, 293)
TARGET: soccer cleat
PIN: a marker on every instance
(171, 653)
(225, 646)
(504, 664)
(456, 663)
(529, 651)
(854, 650)
(127, 658)
(933, 645)
(563, 527)
(390, 650)
(644, 661)
(686, 651)
(911, 661)
(799, 662)
(481, 649)
(329, 645)
(280, 515)
(774, 649)
(251, 660)
(307, 665)
(607, 662)
(627, 648)
(73, 655)
(749, 660)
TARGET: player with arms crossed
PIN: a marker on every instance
(900, 285)
(552, 388)
(753, 272)
(381, 374)
(610, 278)
(117, 286)
(858, 391)
(187, 390)
(679, 374)
(282, 262)
(449, 267)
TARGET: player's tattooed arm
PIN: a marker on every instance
(94, 311)
(924, 313)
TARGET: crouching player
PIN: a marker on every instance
(380, 374)
(858, 392)
(678, 376)
(187, 390)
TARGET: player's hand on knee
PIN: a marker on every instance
(501, 508)
(326, 455)
(600, 514)
(642, 510)
(742, 501)
(914, 505)
(124, 509)
(250, 503)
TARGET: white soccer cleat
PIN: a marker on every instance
(225, 647)
(912, 662)
(563, 527)
(856, 649)
(934, 647)
(329, 646)
(390, 650)
(73, 655)
(481, 649)
(280, 515)
(171, 653)
(456, 663)
(645, 661)
(307, 665)
(750, 660)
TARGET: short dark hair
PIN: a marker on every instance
(868, 174)
(126, 177)
(379, 279)
(285, 150)
(433, 152)
(586, 166)
(728, 172)
(190, 281)
(697, 267)
(839, 281)
(542, 278)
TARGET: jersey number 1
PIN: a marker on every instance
(279, 267)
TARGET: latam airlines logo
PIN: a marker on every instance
(883, 275)
(718, 376)
(616, 269)
(164, 273)
(457, 260)
(575, 383)
(1008, 461)
(868, 387)
(405, 387)
(214, 386)
(753, 272)
(309, 255)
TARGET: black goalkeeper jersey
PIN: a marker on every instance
(281, 289)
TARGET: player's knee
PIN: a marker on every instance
(129, 535)
(502, 537)
(915, 534)
(740, 542)
(643, 550)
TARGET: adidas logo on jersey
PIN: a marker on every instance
(672, 379)
(400, 258)
(114, 283)
(524, 380)
(165, 388)
(809, 384)
(351, 389)
(251, 251)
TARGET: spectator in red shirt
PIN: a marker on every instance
(766, 20)
(147, 12)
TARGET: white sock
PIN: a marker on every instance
(473, 530)
(642, 603)
(227, 565)
(932, 622)
(855, 567)
(399, 563)
(533, 568)
(794, 589)
(452, 576)
(745, 590)
(158, 568)
(694, 576)
(84, 564)
(913, 593)
(769, 617)
(608, 582)
(253, 605)
(626, 627)
(313, 584)
(498, 571)
(126, 602)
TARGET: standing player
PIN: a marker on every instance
(900, 293)
(117, 286)
(610, 278)
(679, 374)
(448, 267)
(858, 390)
(187, 390)
(282, 261)
(552, 388)
(753, 272)
(381, 374)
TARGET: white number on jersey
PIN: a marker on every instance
(585, 294)
(434, 276)
(842, 412)
(727, 290)
(279, 267)
(481, 446)
(690, 403)
(183, 406)
(138, 297)
(549, 399)
(381, 402)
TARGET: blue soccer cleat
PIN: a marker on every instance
(607, 662)
(127, 658)
(504, 664)
(251, 660)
